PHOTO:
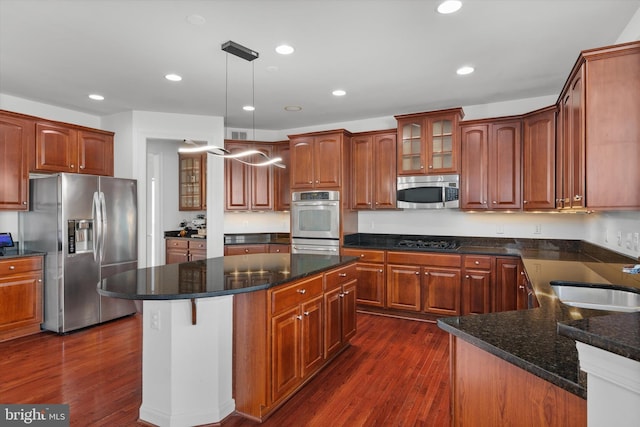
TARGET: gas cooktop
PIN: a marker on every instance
(427, 244)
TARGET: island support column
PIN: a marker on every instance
(186, 368)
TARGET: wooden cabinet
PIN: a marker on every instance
(319, 160)
(374, 170)
(282, 177)
(424, 281)
(477, 284)
(281, 341)
(491, 165)
(489, 391)
(192, 177)
(539, 160)
(180, 250)
(571, 145)
(15, 135)
(508, 279)
(256, 248)
(428, 143)
(371, 276)
(599, 136)
(248, 188)
(340, 308)
(59, 147)
(21, 296)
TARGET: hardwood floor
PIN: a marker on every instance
(395, 373)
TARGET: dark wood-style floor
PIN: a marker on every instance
(395, 373)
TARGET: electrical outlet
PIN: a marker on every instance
(636, 241)
(155, 320)
(619, 238)
(538, 229)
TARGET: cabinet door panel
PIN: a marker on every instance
(476, 292)
(384, 178)
(261, 188)
(403, 287)
(95, 153)
(539, 161)
(15, 135)
(362, 175)
(327, 161)
(21, 301)
(282, 177)
(311, 335)
(349, 297)
(285, 353)
(371, 280)
(333, 324)
(302, 163)
(505, 150)
(236, 181)
(474, 186)
(442, 291)
(507, 279)
(56, 148)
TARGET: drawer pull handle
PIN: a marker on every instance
(361, 255)
(302, 291)
(342, 274)
(12, 267)
(477, 263)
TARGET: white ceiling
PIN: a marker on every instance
(391, 56)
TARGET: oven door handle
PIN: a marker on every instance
(314, 248)
(315, 204)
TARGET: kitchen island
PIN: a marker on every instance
(190, 320)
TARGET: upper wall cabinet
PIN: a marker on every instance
(491, 164)
(319, 160)
(192, 177)
(281, 177)
(539, 160)
(248, 188)
(428, 143)
(63, 148)
(599, 120)
(15, 135)
(373, 181)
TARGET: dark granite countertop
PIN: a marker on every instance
(18, 253)
(616, 333)
(257, 238)
(530, 339)
(216, 276)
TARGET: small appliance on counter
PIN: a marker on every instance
(6, 241)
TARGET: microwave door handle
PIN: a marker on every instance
(444, 196)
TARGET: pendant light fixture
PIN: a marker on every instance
(248, 55)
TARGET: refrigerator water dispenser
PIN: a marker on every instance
(80, 235)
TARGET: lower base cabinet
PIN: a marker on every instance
(284, 335)
(371, 276)
(502, 394)
(20, 296)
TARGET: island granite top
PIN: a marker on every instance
(217, 276)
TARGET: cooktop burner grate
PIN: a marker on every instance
(427, 244)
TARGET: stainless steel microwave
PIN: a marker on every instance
(428, 192)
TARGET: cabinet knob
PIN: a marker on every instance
(246, 251)
(522, 273)
(310, 182)
(277, 250)
(477, 263)
(421, 167)
(342, 274)
(521, 287)
(494, 202)
(467, 276)
(299, 317)
(577, 197)
(430, 167)
(341, 295)
(361, 255)
(24, 203)
(426, 273)
(525, 202)
(12, 267)
(317, 181)
(81, 166)
(484, 202)
(302, 291)
(380, 271)
(72, 166)
(306, 313)
(417, 272)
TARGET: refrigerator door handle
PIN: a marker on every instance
(96, 215)
(103, 224)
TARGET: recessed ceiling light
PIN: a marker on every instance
(449, 6)
(339, 92)
(248, 108)
(293, 108)
(96, 97)
(173, 77)
(284, 49)
(463, 71)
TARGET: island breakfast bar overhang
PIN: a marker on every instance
(187, 344)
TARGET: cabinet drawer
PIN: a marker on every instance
(293, 295)
(477, 262)
(197, 245)
(244, 249)
(177, 243)
(20, 265)
(365, 255)
(424, 258)
(342, 275)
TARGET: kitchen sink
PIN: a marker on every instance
(597, 297)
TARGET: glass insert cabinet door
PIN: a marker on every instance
(429, 144)
(192, 181)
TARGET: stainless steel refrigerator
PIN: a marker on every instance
(87, 225)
